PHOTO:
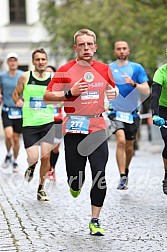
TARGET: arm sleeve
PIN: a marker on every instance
(155, 95)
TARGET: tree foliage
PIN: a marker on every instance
(142, 23)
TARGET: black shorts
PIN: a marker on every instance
(35, 135)
(129, 129)
(16, 124)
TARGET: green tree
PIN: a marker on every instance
(141, 23)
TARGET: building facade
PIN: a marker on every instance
(21, 32)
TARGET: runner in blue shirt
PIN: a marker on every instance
(131, 79)
(11, 115)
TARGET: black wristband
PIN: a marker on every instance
(135, 85)
(68, 94)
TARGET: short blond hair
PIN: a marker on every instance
(82, 32)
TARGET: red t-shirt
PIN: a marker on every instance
(98, 75)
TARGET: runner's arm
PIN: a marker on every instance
(19, 90)
(111, 92)
(143, 87)
(155, 95)
(72, 94)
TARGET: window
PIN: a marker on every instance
(17, 11)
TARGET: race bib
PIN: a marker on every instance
(78, 124)
(37, 103)
(90, 95)
(14, 113)
(124, 117)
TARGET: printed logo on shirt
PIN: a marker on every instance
(88, 76)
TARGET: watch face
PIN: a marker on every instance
(68, 94)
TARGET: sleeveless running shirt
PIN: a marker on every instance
(35, 111)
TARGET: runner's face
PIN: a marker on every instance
(12, 63)
(40, 62)
(121, 50)
(85, 47)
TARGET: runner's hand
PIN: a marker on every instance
(20, 103)
(157, 120)
(112, 93)
(128, 79)
(79, 87)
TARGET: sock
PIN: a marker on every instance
(122, 175)
(126, 172)
(9, 154)
(165, 173)
(94, 220)
(53, 158)
(40, 187)
(33, 166)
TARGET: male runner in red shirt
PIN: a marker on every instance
(81, 84)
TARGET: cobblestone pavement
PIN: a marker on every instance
(134, 220)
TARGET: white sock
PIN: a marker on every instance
(9, 154)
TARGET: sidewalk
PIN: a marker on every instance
(134, 220)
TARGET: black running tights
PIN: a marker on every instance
(76, 163)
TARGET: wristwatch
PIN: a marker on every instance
(67, 94)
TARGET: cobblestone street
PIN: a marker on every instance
(134, 220)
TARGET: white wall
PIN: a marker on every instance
(32, 11)
(4, 14)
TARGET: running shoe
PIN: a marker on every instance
(123, 183)
(164, 186)
(95, 228)
(41, 196)
(7, 161)
(75, 194)
(15, 167)
(126, 181)
(29, 174)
